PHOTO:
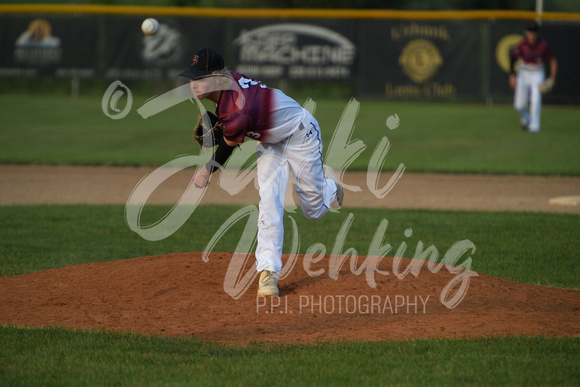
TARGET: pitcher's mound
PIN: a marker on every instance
(180, 294)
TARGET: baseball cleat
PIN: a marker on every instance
(525, 127)
(268, 285)
(329, 174)
(525, 122)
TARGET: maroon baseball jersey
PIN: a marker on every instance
(260, 113)
(532, 56)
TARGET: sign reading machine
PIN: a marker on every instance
(295, 51)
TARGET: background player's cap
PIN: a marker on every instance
(203, 62)
(533, 26)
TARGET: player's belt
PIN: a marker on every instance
(531, 67)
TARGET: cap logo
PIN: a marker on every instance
(194, 60)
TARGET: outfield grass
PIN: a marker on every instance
(66, 357)
(527, 247)
(431, 137)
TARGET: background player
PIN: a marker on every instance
(288, 139)
(532, 52)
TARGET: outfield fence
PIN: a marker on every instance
(438, 55)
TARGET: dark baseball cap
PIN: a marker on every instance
(203, 63)
(533, 26)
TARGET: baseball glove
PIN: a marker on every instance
(208, 130)
(546, 86)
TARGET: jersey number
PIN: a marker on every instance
(246, 83)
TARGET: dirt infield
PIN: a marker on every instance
(180, 294)
(113, 185)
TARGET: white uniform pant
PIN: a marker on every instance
(528, 99)
(302, 154)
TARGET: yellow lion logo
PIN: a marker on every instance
(420, 60)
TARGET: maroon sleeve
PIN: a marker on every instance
(253, 115)
(547, 53)
(236, 126)
(516, 51)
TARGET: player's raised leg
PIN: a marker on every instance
(316, 191)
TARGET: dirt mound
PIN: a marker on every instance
(183, 295)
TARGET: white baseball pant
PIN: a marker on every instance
(302, 153)
(528, 99)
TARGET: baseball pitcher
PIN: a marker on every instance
(288, 139)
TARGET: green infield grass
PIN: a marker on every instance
(533, 248)
(431, 137)
(44, 357)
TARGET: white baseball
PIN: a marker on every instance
(150, 26)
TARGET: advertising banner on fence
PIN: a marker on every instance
(60, 47)
(399, 59)
(297, 50)
(132, 55)
(421, 59)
